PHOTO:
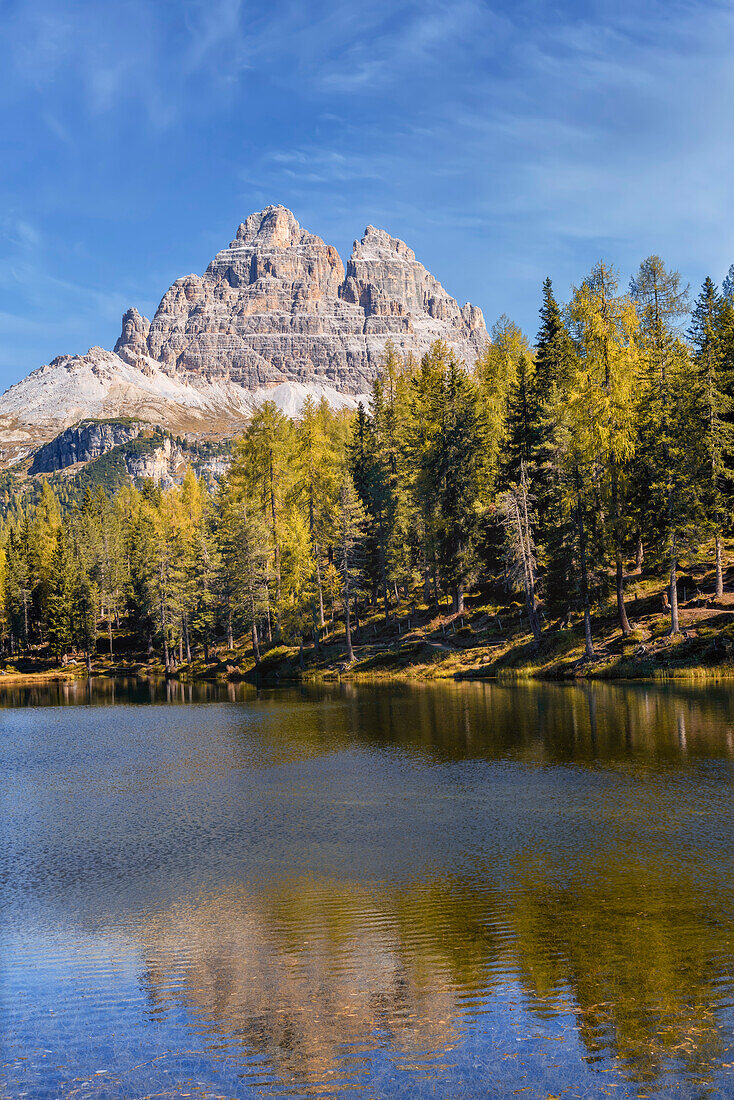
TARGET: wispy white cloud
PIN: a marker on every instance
(19, 234)
(324, 166)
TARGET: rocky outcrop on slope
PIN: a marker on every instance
(274, 316)
(153, 459)
(153, 455)
(82, 443)
(111, 451)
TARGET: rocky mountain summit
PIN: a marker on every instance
(275, 315)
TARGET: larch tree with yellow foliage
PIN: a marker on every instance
(603, 404)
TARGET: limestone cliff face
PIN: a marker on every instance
(276, 305)
(266, 310)
(386, 280)
(82, 443)
(156, 462)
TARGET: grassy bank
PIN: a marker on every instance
(37, 670)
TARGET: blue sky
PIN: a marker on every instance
(502, 141)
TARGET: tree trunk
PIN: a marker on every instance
(673, 584)
(621, 609)
(322, 620)
(639, 553)
(255, 645)
(674, 626)
(719, 569)
(186, 638)
(164, 631)
(459, 598)
(619, 564)
(527, 544)
(276, 544)
(230, 637)
(109, 632)
(588, 641)
(268, 623)
(348, 625)
(383, 576)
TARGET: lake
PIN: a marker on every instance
(460, 890)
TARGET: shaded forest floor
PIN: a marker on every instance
(489, 640)
(492, 639)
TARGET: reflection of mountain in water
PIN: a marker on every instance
(311, 977)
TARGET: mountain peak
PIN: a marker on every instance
(275, 226)
(377, 244)
(273, 309)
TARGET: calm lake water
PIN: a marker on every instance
(438, 891)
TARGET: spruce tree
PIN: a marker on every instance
(63, 585)
(672, 470)
(456, 464)
(708, 335)
(422, 426)
(367, 475)
(555, 369)
(350, 521)
(250, 563)
(519, 429)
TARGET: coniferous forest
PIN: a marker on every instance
(548, 474)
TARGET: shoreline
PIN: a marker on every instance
(488, 640)
(392, 666)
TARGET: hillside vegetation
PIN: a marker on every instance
(561, 509)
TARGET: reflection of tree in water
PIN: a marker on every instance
(644, 956)
(532, 721)
(601, 920)
(314, 976)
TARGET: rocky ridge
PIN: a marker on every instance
(274, 316)
(82, 443)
